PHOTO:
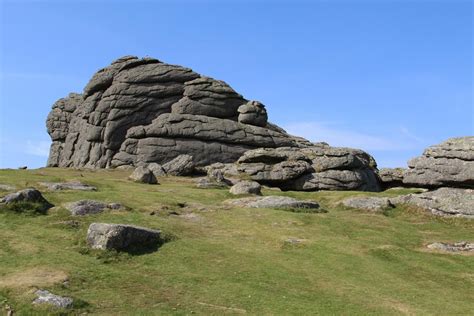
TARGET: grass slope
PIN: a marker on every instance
(230, 260)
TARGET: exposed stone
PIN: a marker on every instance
(121, 237)
(391, 177)
(443, 202)
(450, 163)
(246, 187)
(452, 247)
(180, 166)
(27, 195)
(143, 175)
(253, 113)
(157, 169)
(226, 169)
(368, 203)
(273, 202)
(74, 185)
(139, 111)
(86, 207)
(46, 297)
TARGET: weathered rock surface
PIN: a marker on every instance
(180, 166)
(316, 167)
(86, 207)
(207, 183)
(157, 169)
(46, 297)
(73, 185)
(138, 111)
(391, 177)
(452, 247)
(246, 187)
(143, 175)
(450, 164)
(443, 202)
(273, 202)
(27, 195)
(374, 204)
(121, 237)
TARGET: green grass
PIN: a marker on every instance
(230, 260)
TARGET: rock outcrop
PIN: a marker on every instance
(391, 177)
(316, 167)
(278, 202)
(449, 164)
(139, 111)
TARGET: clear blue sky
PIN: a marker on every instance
(390, 77)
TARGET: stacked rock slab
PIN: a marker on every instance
(449, 164)
(139, 111)
(316, 167)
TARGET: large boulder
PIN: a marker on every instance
(316, 167)
(180, 166)
(121, 237)
(138, 111)
(450, 164)
(391, 177)
(449, 202)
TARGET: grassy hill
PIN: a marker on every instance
(223, 260)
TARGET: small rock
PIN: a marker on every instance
(368, 203)
(246, 187)
(46, 297)
(454, 247)
(294, 240)
(157, 169)
(180, 166)
(114, 206)
(121, 237)
(86, 207)
(74, 185)
(273, 202)
(144, 175)
(28, 195)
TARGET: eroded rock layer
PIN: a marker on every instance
(138, 111)
(450, 164)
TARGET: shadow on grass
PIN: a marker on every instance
(26, 208)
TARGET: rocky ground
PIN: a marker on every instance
(178, 248)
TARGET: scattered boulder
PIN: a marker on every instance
(73, 185)
(452, 247)
(226, 169)
(442, 202)
(31, 195)
(6, 187)
(121, 237)
(391, 177)
(246, 187)
(273, 202)
(143, 175)
(368, 203)
(182, 165)
(449, 164)
(86, 207)
(46, 297)
(157, 169)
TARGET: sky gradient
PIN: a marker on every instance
(389, 77)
